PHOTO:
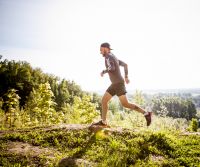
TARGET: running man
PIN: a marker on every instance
(117, 86)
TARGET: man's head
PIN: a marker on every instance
(105, 48)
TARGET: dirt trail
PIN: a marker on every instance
(30, 150)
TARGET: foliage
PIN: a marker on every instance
(198, 113)
(174, 107)
(29, 97)
(126, 148)
(95, 98)
(196, 100)
(134, 120)
(193, 125)
(83, 110)
(138, 98)
(22, 77)
(40, 104)
(114, 106)
(11, 107)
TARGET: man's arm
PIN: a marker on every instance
(104, 71)
(121, 63)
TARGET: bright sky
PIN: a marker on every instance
(158, 39)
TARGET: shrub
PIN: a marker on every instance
(193, 125)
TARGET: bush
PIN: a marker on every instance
(133, 119)
(83, 111)
(193, 125)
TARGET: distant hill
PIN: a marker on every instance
(192, 91)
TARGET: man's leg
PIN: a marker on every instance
(124, 101)
(104, 103)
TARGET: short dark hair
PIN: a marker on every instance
(106, 45)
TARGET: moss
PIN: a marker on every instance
(8, 159)
(117, 149)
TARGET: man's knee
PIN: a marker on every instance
(106, 98)
(104, 101)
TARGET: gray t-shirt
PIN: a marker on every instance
(113, 68)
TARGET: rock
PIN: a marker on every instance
(26, 149)
(75, 162)
(96, 128)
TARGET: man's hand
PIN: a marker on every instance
(127, 80)
(102, 74)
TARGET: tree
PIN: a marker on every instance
(40, 104)
(83, 110)
(175, 107)
(138, 98)
(191, 109)
(193, 126)
(11, 106)
(63, 96)
(113, 106)
(22, 77)
(96, 99)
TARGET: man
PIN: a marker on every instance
(117, 86)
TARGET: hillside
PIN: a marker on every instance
(75, 145)
(30, 100)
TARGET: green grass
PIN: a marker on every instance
(143, 148)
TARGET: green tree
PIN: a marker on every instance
(22, 77)
(97, 99)
(83, 110)
(114, 106)
(191, 108)
(16, 75)
(138, 98)
(2, 114)
(40, 104)
(175, 107)
(63, 96)
(74, 90)
(11, 106)
(193, 125)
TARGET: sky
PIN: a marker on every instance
(158, 39)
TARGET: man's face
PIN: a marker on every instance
(104, 51)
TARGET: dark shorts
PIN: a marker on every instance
(118, 89)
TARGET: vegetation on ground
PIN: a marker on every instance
(126, 147)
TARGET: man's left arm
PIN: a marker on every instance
(121, 63)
